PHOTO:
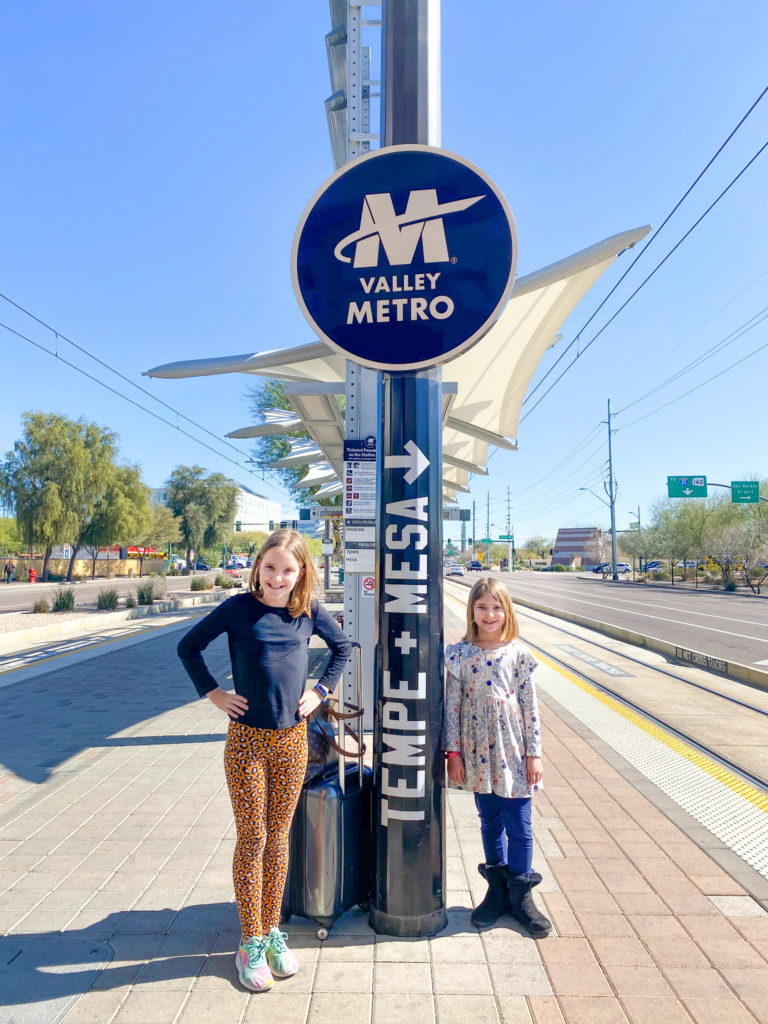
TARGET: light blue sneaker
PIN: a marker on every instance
(281, 960)
(252, 965)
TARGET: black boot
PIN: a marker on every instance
(494, 904)
(521, 905)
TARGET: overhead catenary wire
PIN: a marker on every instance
(641, 253)
(645, 281)
(62, 337)
(698, 387)
(138, 405)
(729, 339)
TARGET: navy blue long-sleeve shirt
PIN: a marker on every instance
(270, 656)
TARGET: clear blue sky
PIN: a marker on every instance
(157, 157)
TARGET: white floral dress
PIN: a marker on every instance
(492, 716)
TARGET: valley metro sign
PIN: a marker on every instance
(404, 258)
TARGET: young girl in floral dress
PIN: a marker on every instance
(492, 738)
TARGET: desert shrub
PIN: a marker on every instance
(201, 583)
(41, 607)
(222, 580)
(730, 586)
(151, 590)
(130, 601)
(64, 601)
(559, 568)
(107, 599)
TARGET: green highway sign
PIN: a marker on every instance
(486, 540)
(745, 492)
(506, 536)
(687, 486)
(634, 526)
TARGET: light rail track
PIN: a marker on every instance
(754, 780)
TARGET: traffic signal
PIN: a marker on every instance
(237, 526)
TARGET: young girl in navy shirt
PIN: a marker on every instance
(265, 757)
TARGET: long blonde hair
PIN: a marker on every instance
(293, 542)
(488, 587)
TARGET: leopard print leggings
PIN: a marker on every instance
(265, 771)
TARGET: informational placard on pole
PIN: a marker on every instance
(360, 505)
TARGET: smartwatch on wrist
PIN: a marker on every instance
(322, 691)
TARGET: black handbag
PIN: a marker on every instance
(326, 729)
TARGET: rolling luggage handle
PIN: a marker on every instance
(357, 713)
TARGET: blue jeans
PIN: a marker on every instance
(505, 827)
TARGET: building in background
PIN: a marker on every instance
(253, 511)
(580, 546)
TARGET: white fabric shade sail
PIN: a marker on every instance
(491, 379)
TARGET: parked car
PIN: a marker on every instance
(201, 566)
(475, 566)
(236, 573)
(454, 570)
(654, 566)
(689, 563)
(605, 567)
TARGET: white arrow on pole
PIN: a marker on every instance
(415, 461)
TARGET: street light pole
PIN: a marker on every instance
(639, 528)
(611, 491)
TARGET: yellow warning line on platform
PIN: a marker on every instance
(674, 743)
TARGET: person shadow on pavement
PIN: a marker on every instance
(125, 948)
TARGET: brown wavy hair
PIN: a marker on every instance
(293, 542)
(488, 587)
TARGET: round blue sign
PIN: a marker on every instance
(404, 258)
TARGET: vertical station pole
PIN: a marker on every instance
(409, 888)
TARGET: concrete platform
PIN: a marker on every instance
(116, 839)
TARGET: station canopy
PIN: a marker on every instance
(483, 389)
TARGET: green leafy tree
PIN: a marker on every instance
(120, 510)
(539, 546)
(162, 529)
(54, 474)
(204, 505)
(271, 394)
(11, 540)
(644, 544)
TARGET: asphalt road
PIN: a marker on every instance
(728, 626)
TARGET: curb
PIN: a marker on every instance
(92, 622)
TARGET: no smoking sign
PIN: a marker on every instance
(369, 584)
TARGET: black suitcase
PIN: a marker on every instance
(330, 868)
(331, 848)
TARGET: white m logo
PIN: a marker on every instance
(400, 234)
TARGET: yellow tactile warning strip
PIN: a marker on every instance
(696, 757)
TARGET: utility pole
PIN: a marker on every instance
(488, 526)
(610, 489)
(510, 556)
(474, 529)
